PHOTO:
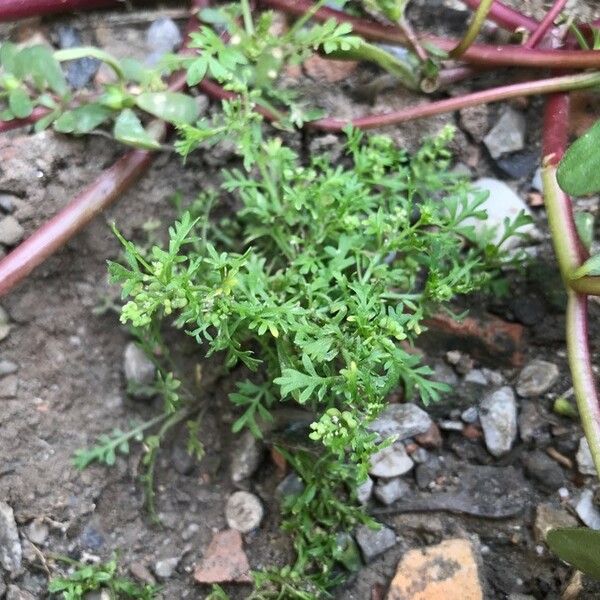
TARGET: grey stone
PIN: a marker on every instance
(401, 420)
(139, 369)
(536, 181)
(387, 492)
(443, 373)
(391, 462)
(532, 425)
(364, 490)
(243, 511)
(182, 460)
(420, 456)
(291, 485)
(141, 573)
(8, 387)
(373, 542)
(542, 469)
(245, 458)
(11, 232)
(537, 378)
(493, 377)
(470, 415)
(165, 567)
(450, 425)
(11, 553)
(498, 416)
(190, 531)
(81, 71)
(7, 203)
(427, 473)
(585, 462)
(16, 593)
(7, 367)
(502, 202)
(38, 531)
(587, 511)
(475, 121)
(507, 135)
(549, 517)
(163, 36)
(476, 376)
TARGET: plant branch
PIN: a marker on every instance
(477, 54)
(12, 10)
(37, 114)
(506, 17)
(474, 28)
(545, 24)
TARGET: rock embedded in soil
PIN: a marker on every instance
(365, 490)
(291, 485)
(138, 368)
(391, 462)
(537, 378)
(475, 121)
(243, 511)
(587, 510)
(8, 367)
(81, 71)
(16, 593)
(547, 517)
(38, 531)
(224, 561)
(470, 415)
(533, 426)
(387, 492)
(373, 542)
(165, 567)
(246, 455)
(11, 232)
(401, 420)
(446, 571)
(141, 573)
(498, 416)
(476, 376)
(507, 135)
(8, 387)
(543, 470)
(163, 36)
(502, 202)
(585, 462)
(7, 203)
(11, 553)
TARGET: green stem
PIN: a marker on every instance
(474, 28)
(246, 13)
(90, 51)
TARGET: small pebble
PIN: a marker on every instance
(391, 462)
(11, 552)
(537, 378)
(470, 415)
(387, 492)
(507, 135)
(243, 511)
(291, 485)
(587, 511)
(165, 567)
(585, 462)
(141, 573)
(476, 376)
(364, 490)
(498, 416)
(38, 531)
(11, 232)
(447, 425)
(139, 369)
(246, 455)
(373, 542)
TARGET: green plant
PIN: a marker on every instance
(318, 288)
(578, 546)
(103, 576)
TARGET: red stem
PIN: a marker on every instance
(477, 54)
(78, 213)
(34, 117)
(506, 17)
(545, 24)
(12, 10)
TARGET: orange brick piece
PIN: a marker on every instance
(447, 571)
(224, 560)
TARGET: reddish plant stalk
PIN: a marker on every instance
(570, 254)
(79, 212)
(477, 54)
(506, 17)
(37, 114)
(12, 10)
(545, 24)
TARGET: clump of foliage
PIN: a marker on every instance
(101, 576)
(319, 287)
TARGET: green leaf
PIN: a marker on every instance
(172, 107)
(579, 170)
(8, 52)
(590, 267)
(20, 103)
(39, 63)
(82, 119)
(578, 546)
(584, 222)
(129, 130)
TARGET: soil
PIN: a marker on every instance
(71, 387)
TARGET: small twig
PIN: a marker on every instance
(545, 24)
